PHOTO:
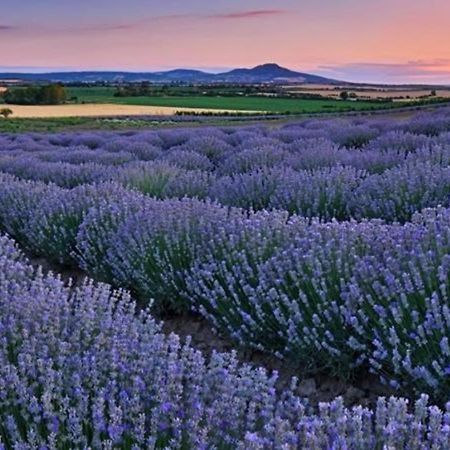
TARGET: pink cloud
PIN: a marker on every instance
(410, 68)
(237, 15)
(125, 26)
(434, 70)
(251, 14)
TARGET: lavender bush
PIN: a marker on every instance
(399, 192)
(96, 234)
(282, 291)
(162, 180)
(54, 225)
(154, 246)
(19, 201)
(402, 322)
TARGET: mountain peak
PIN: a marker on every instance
(270, 73)
(272, 66)
(272, 69)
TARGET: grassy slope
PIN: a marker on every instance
(105, 95)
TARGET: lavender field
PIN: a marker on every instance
(324, 244)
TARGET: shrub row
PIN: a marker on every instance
(330, 296)
(333, 169)
(339, 192)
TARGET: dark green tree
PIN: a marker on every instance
(5, 112)
(53, 94)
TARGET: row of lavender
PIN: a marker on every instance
(338, 193)
(340, 297)
(80, 369)
(326, 169)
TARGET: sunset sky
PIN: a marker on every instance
(359, 40)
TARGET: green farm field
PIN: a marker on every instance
(263, 104)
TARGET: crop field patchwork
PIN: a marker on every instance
(396, 94)
(322, 244)
(236, 103)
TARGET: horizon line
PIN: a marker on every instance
(42, 70)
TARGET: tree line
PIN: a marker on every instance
(53, 94)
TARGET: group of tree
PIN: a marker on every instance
(5, 112)
(147, 89)
(137, 90)
(53, 94)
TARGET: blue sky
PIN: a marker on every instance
(359, 40)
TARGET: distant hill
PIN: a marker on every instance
(266, 73)
(271, 73)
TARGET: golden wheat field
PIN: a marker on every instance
(368, 92)
(99, 110)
